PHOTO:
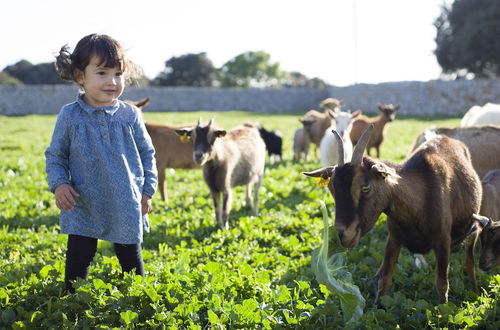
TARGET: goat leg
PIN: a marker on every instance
(248, 200)
(470, 243)
(161, 184)
(256, 188)
(442, 252)
(386, 270)
(227, 200)
(217, 206)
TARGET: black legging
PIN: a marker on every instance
(81, 250)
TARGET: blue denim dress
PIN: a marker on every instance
(107, 156)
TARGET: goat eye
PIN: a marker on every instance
(365, 189)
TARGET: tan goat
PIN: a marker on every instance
(388, 114)
(490, 204)
(315, 123)
(301, 144)
(331, 104)
(229, 159)
(170, 150)
(482, 141)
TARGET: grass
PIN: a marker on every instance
(255, 275)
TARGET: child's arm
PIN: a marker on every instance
(57, 155)
(146, 152)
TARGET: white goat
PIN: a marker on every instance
(488, 114)
(328, 149)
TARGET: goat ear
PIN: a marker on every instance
(380, 106)
(356, 113)
(396, 108)
(184, 134)
(388, 173)
(481, 220)
(219, 133)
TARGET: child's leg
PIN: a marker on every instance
(130, 257)
(79, 254)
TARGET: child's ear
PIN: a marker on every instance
(78, 74)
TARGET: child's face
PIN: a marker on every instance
(102, 85)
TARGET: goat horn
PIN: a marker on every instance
(211, 121)
(340, 145)
(199, 122)
(357, 154)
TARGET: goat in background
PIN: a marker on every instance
(228, 159)
(387, 115)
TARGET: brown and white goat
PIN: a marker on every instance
(490, 243)
(301, 144)
(429, 201)
(482, 141)
(228, 160)
(388, 114)
(170, 150)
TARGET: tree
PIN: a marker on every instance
(43, 73)
(251, 69)
(297, 79)
(187, 70)
(7, 79)
(468, 38)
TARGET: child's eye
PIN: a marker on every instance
(101, 73)
(118, 74)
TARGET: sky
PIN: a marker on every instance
(343, 42)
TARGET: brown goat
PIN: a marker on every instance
(170, 150)
(388, 114)
(482, 141)
(490, 243)
(228, 160)
(490, 204)
(315, 123)
(429, 201)
(331, 104)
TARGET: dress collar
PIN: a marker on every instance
(110, 109)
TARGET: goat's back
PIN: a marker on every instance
(489, 114)
(170, 152)
(241, 154)
(482, 141)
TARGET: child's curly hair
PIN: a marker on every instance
(110, 53)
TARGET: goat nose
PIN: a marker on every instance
(198, 155)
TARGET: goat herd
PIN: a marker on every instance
(433, 200)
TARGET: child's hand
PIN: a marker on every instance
(65, 197)
(146, 204)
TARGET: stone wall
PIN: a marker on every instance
(416, 98)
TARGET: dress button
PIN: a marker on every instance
(105, 136)
(102, 123)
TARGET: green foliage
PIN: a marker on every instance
(7, 79)
(256, 275)
(251, 69)
(194, 70)
(30, 74)
(330, 271)
(468, 38)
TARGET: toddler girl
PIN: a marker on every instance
(100, 162)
